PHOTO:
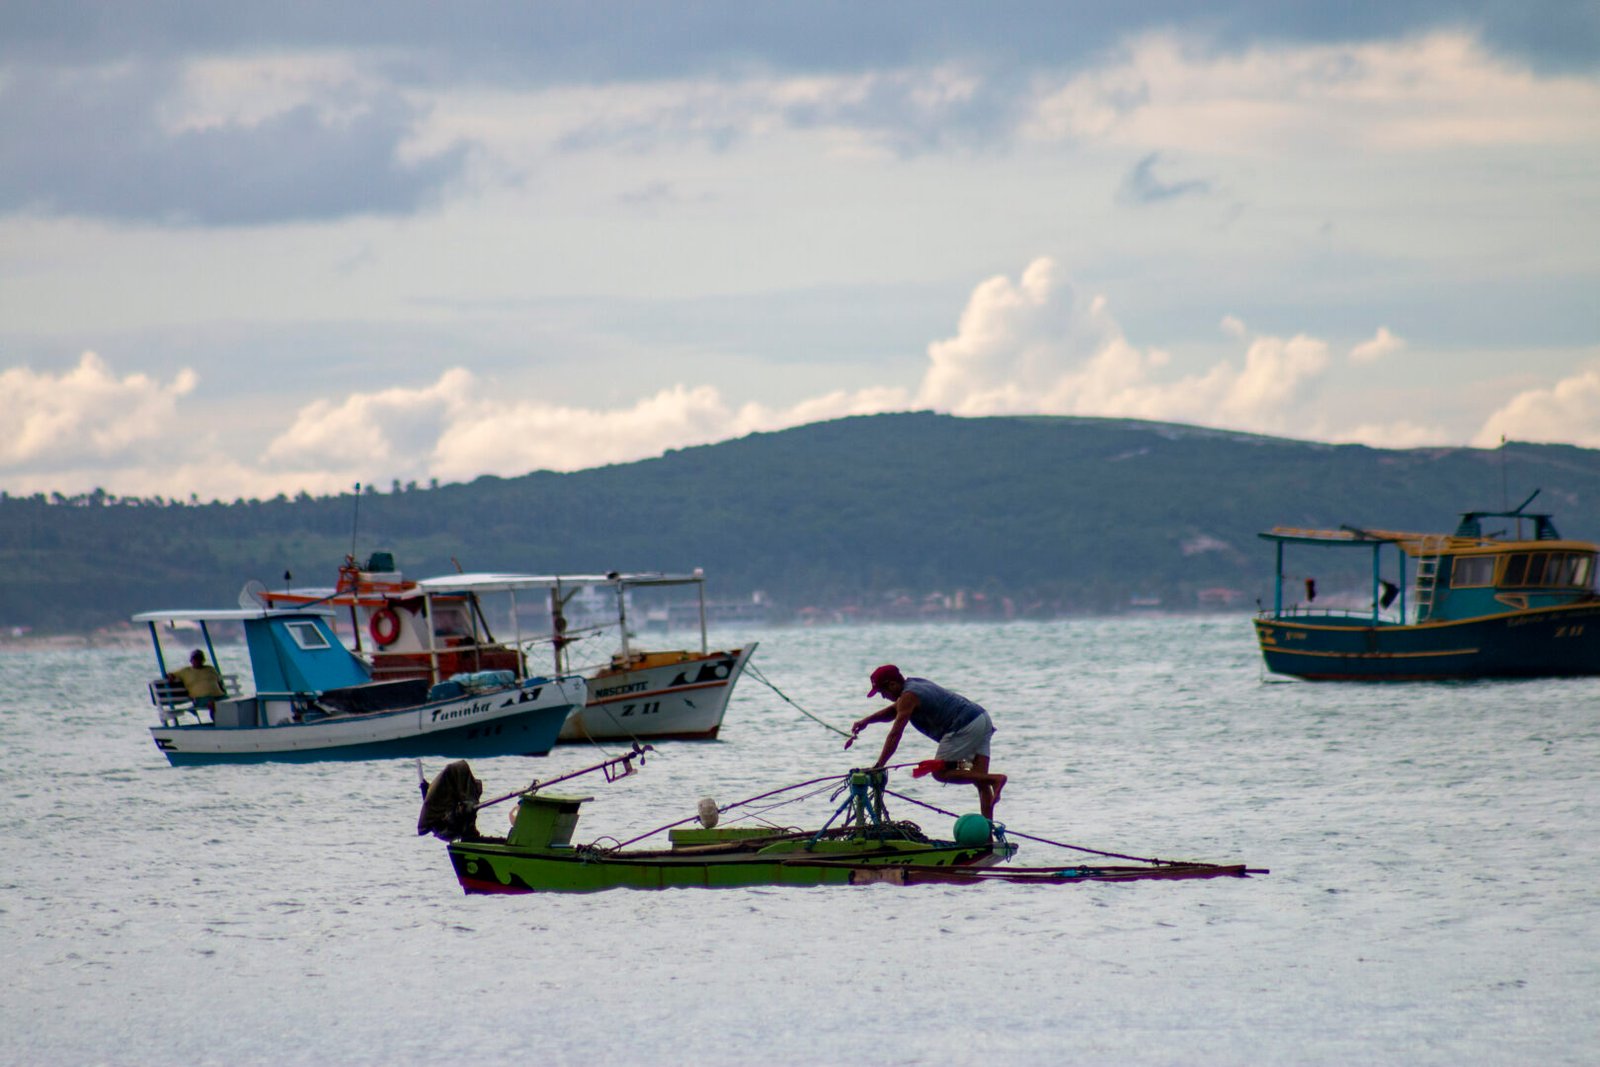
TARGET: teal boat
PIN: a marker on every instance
(860, 845)
(1516, 602)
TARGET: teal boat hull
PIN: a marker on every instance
(1554, 642)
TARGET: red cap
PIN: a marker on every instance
(884, 675)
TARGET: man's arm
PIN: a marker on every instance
(901, 712)
(861, 724)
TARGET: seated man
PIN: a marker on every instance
(201, 681)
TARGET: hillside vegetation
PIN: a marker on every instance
(1049, 514)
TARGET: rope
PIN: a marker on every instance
(1040, 840)
(755, 672)
(735, 804)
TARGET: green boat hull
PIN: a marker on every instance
(494, 867)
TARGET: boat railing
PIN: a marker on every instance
(170, 695)
(1301, 611)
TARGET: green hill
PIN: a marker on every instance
(1054, 514)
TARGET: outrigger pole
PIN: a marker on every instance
(608, 766)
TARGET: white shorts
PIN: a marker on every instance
(969, 741)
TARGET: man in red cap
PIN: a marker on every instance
(961, 727)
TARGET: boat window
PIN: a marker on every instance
(1567, 573)
(1582, 570)
(451, 620)
(1472, 570)
(306, 635)
(1536, 563)
(1516, 567)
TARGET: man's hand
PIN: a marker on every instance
(855, 731)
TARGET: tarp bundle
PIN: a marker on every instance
(450, 806)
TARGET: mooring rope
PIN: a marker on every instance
(755, 672)
(1041, 840)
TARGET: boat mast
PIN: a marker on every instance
(622, 617)
(558, 628)
(700, 585)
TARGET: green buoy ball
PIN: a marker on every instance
(972, 829)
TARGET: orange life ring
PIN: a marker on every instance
(384, 626)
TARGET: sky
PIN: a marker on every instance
(253, 249)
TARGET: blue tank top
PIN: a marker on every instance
(939, 711)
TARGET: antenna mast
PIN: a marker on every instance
(355, 522)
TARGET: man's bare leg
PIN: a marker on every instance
(988, 785)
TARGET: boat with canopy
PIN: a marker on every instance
(435, 627)
(1514, 602)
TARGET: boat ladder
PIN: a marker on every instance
(1428, 557)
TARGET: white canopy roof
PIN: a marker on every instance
(224, 614)
(502, 583)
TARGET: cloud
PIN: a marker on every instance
(1038, 346)
(907, 111)
(1405, 96)
(213, 136)
(603, 40)
(137, 143)
(1568, 412)
(1141, 186)
(1400, 434)
(1032, 344)
(460, 427)
(1382, 344)
(55, 421)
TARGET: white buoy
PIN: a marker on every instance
(708, 812)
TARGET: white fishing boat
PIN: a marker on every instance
(315, 700)
(435, 627)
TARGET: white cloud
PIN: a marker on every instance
(460, 427)
(1037, 346)
(1033, 344)
(1400, 434)
(1444, 90)
(1382, 344)
(1568, 412)
(87, 412)
(389, 430)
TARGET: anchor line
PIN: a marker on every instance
(755, 672)
(1057, 844)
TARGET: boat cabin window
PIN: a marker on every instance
(1535, 575)
(1516, 567)
(306, 635)
(451, 620)
(1472, 570)
(1564, 569)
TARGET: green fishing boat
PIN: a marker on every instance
(859, 845)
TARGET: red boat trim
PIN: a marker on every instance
(1281, 651)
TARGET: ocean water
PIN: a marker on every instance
(1434, 895)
